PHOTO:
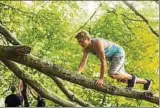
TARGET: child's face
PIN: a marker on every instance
(84, 42)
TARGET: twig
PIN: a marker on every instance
(141, 16)
(90, 17)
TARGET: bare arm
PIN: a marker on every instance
(83, 61)
(100, 50)
(20, 87)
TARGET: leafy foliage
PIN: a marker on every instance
(49, 28)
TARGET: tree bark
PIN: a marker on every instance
(14, 51)
(36, 85)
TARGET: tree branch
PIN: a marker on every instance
(130, 18)
(114, 11)
(31, 14)
(90, 17)
(36, 85)
(141, 16)
(128, 26)
(50, 69)
(14, 51)
(68, 93)
(9, 36)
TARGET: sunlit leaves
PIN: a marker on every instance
(49, 28)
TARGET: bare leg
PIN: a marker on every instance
(140, 81)
(125, 76)
(120, 76)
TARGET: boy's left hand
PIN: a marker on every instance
(99, 82)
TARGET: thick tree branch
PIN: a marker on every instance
(68, 93)
(141, 16)
(53, 70)
(14, 51)
(36, 85)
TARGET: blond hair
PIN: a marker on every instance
(83, 34)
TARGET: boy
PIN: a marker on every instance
(106, 50)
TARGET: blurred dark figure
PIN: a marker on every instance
(12, 100)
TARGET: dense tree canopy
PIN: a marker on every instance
(49, 27)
